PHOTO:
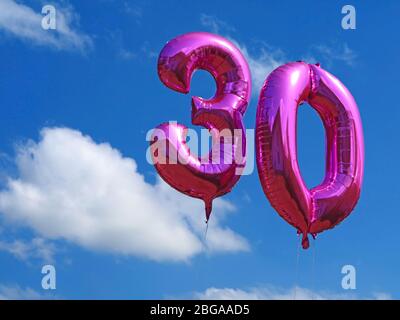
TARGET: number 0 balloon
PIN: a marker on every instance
(323, 207)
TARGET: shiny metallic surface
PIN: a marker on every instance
(198, 176)
(326, 205)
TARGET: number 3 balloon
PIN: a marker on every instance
(194, 176)
(323, 207)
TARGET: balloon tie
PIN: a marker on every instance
(208, 208)
(305, 242)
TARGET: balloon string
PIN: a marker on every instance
(313, 267)
(297, 268)
(205, 233)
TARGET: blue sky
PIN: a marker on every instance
(93, 84)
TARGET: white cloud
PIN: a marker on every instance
(70, 187)
(23, 22)
(15, 292)
(273, 293)
(37, 248)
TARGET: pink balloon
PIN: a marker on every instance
(326, 205)
(215, 174)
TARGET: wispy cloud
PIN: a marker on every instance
(329, 55)
(125, 54)
(134, 11)
(36, 248)
(273, 293)
(147, 50)
(263, 58)
(70, 187)
(144, 52)
(214, 24)
(23, 22)
(14, 292)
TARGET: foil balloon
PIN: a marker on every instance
(214, 174)
(326, 205)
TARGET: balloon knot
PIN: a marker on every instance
(208, 207)
(305, 242)
(314, 235)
